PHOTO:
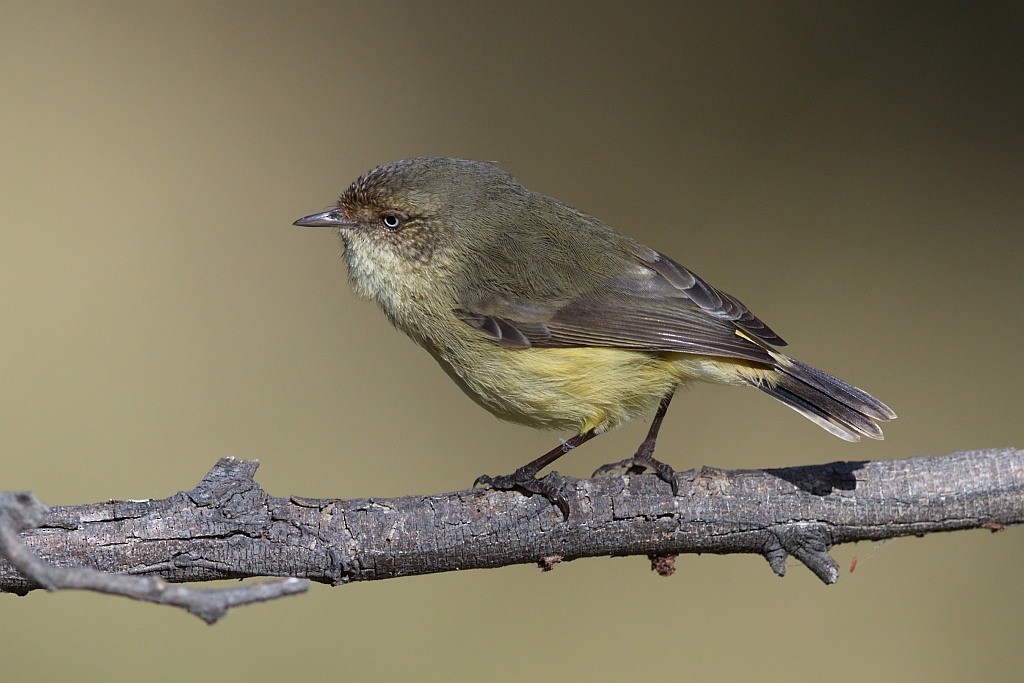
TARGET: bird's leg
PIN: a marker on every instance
(526, 476)
(644, 457)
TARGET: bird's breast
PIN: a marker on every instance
(565, 388)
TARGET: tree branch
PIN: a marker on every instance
(20, 511)
(228, 527)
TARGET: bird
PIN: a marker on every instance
(546, 316)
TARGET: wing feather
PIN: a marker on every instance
(651, 303)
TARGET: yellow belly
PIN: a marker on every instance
(579, 388)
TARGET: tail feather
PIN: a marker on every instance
(829, 402)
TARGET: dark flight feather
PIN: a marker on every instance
(841, 408)
(651, 304)
(713, 301)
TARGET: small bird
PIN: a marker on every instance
(547, 317)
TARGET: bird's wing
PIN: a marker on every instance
(713, 301)
(651, 303)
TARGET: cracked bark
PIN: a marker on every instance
(229, 527)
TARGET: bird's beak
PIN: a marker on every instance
(326, 219)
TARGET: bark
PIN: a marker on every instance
(229, 527)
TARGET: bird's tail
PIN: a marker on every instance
(828, 401)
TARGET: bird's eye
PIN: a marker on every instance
(390, 221)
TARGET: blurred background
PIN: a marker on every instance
(853, 172)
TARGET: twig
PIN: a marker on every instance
(228, 527)
(21, 511)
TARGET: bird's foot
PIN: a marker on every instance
(525, 479)
(643, 460)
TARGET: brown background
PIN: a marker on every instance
(853, 173)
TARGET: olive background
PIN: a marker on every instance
(851, 171)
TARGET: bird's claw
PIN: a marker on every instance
(638, 463)
(550, 487)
